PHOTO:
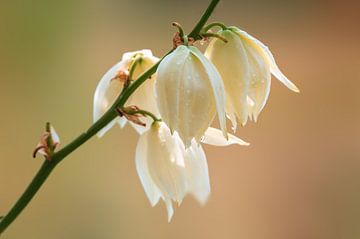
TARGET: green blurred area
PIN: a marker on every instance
(300, 178)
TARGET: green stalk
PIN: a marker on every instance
(214, 24)
(195, 32)
(48, 166)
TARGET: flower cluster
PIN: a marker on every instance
(231, 80)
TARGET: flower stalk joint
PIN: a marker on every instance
(180, 38)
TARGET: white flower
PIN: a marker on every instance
(245, 65)
(168, 171)
(109, 89)
(189, 92)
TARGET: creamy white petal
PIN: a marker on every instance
(231, 115)
(166, 162)
(130, 55)
(54, 136)
(105, 95)
(122, 122)
(168, 171)
(217, 87)
(184, 94)
(260, 78)
(214, 137)
(197, 172)
(151, 190)
(251, 105)
(274, 68)
(144, 96)
(160, 163)
(167, 70)
(108, 90)
(231, 61)
(169, 208)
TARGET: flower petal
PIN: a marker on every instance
(169, 208)
(129, 55)
(274, 68)
(217, 87)
(54, 136)
(260, 78)
(144, 96)
(151, 190)
(105, 95)
(184, 95)
(122, 122)
(166, 162)
(197, 172)
(167, 82)
(231, 61)
(214, 137)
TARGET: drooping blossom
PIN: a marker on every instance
(245, 65)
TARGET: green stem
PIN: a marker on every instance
(132, 67)
(210, 34)
(145, 113)
(48, 166)
(195, 32)
(29, 193)
(180, 29)
(214, 24)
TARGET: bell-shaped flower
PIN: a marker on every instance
(111, 85)
(168, 171)
(245, 65)
(189, 92)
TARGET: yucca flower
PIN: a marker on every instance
(189, 92)
(111, 84)
(168, 171)
(245, 65)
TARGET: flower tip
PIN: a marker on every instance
(203, 199)
(296, 90)
(169, 209)
(245, 143)
(291, 86)
(255, 117)
(238, 141)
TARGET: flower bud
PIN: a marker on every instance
(189, 92)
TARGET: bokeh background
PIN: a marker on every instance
(300, 178)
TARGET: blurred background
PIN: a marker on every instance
(300, 178)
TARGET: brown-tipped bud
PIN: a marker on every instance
(177, 40)
(49, 140)
(131, 114)
(122, 76)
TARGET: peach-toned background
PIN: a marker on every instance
(299, 179)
